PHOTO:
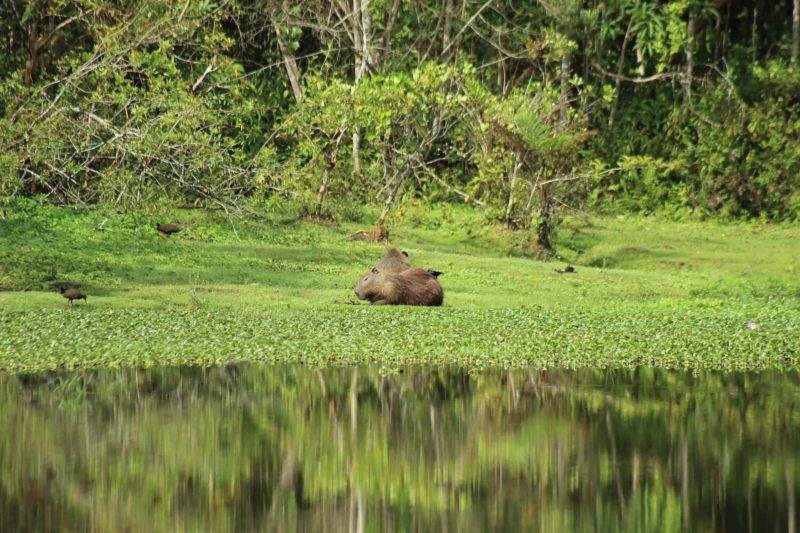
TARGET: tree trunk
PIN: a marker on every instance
(366, 38)
(501, 65)
(618, 81)
(600, 48)
(512, 184)
(389, 168)
(289, 62)
(795, 32)
(361, 23)
(640, 61)
(323, 189)
(358, 42)
(586, 69)
(386, 41)
(687, 83)
(754, 35)
(564, 99)
(331, 164)
(529, 203)
(362, 38)
(33, 51)
(387, 205)
(37, 45)
(546, 225)
(447, 13)
(357, 150)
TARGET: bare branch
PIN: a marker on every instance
(648, 79)
(208, 71)
(467, 25)
(386, 40)
(183, 11)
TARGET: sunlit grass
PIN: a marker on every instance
(645, 292)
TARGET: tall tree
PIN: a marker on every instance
(289, 61)
(795, 32)
(690, 38)
(618, 80)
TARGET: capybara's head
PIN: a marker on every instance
(369, 284)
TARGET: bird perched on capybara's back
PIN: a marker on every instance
(393, 261)
(413, 286)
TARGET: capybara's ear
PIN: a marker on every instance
(404, 253)
(374, 270)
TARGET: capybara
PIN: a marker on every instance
(393, 261)
(413, 286)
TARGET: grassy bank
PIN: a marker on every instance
(673, 294)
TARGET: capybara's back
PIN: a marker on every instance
(421, 288)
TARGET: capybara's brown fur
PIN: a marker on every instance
(393, 261)
(413, 286)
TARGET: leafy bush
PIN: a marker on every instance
(727, 154)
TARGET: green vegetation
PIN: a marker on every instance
(670, 294)
(654, 145)
(685, 107)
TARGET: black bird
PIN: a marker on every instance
(435, 273)
(168, 229)
(72, 294)
(404, 253)
(569, 269)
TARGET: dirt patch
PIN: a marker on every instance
(215, 289)
(377, 234)
(323, 220)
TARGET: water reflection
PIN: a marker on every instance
(289, 448)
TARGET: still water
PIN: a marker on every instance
(269, 448)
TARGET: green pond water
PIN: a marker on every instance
(273, 448)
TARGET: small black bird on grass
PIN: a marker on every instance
(435, 273)
(168, 229)
(569, 269)
(72, 294)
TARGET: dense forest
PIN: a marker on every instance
(524, 108)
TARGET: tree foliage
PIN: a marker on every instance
(518, 107)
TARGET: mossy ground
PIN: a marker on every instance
(661, 293)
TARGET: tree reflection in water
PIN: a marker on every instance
(291, 448)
